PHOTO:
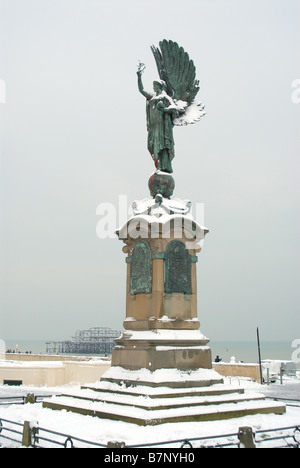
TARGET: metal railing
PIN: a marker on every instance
(61, 440)
(215, 441)
(23, 399)
(285, 437)
(31, 435)
(294, 404)
(288, 437)
(11, 427)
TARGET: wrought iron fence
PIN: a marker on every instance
(31, 435)
(11, 428)
(44, 437)
(23, 399)
(288, 437)
(215, 441)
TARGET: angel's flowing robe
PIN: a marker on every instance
(160, 133)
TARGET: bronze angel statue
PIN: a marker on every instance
(173, 101)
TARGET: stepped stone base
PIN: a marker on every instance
(168, 395)
(157, 352)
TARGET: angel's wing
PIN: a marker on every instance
(179, 73)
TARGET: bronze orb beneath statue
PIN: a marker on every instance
(161, 183)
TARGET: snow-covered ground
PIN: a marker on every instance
(101, 431)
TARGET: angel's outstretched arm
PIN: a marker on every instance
(141, 86)
(172, 109)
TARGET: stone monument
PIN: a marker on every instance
(162, 239)
(161, 367)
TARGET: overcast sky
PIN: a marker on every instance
(73, 136)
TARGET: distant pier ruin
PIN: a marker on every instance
(98, 340)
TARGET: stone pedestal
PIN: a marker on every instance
(162, 241)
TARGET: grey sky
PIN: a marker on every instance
(73, 135)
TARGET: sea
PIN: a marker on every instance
(242, 351)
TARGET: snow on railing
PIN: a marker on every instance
(31, 435)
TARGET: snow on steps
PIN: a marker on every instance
(162, 391)
(173, 378)
(144, 417)
(163, 403)
(197, 405)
